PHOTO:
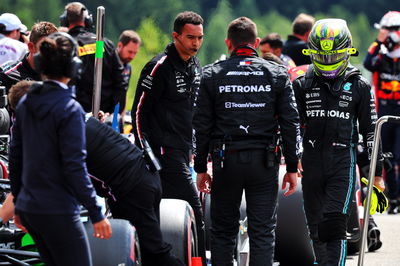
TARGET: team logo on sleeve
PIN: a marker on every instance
(347, 86)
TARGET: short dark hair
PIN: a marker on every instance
(186, 17)
(40, 30)
(273, 39)
(18, 90)
(75, 12)
(302, 24)
(242, 31)
(128, 36)
(56, 55)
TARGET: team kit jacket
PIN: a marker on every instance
(251, 97)
(166, 90)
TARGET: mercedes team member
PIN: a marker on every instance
(78, 20)
(334, 101)
(163, 111)
(241, 102)
(383, 60)
(136, 192)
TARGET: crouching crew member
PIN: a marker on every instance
(136, 191)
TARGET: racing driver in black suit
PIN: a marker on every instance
(334, 103)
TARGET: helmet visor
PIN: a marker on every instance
(329, 57)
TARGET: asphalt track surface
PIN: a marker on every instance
(389, 253)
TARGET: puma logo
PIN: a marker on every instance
(245, 128)
(312, 142)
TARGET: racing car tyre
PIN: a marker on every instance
(178, 227)
(292, 245)
(207, 218)
(4, 121)
(121, 249)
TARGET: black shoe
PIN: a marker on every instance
(373, 239)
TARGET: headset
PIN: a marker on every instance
(88, 18)
(187, 49)
(73, 68)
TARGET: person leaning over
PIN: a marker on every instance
(47, 166)
(241, 103)
(136, 191)
(334, 103)
(162, 111)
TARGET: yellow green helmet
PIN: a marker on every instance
(330, 47)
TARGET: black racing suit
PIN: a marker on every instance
(17, 71)
(332, 113)
(241, 102)
(163, 112)
(112, 84)
(386, 80)
(136, 192)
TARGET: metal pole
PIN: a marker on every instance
(98, 63)
(371, 179)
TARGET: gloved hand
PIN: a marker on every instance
(379, 201)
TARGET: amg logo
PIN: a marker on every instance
(245, 73)
(245, 89)
(328, 113)
(229, 105)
